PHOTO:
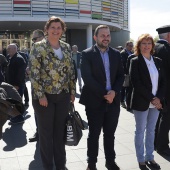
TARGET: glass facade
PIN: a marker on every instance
(21, 38)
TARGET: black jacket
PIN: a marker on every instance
(94, 77)
(142, 85)
(162, 50)
(124, 56)
(16, 70)
(3, 65)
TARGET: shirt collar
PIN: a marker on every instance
(107, 50)
(163, 40)
(148, 61)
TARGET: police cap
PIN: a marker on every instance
(163, 29)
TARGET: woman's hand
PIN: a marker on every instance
(72, 98)
(43, 101)
(157, 103)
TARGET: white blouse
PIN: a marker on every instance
(58, 53)
(153, 75)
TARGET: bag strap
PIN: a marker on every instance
(76, 116)
(72, 108)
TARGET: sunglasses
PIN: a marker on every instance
(35, 38)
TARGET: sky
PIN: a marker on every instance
(147, 15)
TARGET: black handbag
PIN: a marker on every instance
(74, 127)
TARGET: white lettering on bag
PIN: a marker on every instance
(69, 133)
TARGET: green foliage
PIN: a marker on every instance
(156, 39)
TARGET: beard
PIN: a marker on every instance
(102, 45)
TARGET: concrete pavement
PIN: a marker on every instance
(16, 153)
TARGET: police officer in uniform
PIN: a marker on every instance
(162, 50)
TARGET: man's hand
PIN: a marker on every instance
(43, 101)
(110, 96)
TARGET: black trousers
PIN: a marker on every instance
(128, 95)
(51, 126)
(26, 96)
(162, 130)
(123, 94)
(108, 120)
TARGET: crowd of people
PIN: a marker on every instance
(135, 77)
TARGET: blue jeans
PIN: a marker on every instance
(145, 124)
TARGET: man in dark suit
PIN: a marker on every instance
(76, 55)
(162, 50)
(124, 55)
(25, 56)
(15, 75)
(103, 76)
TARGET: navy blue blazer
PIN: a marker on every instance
(94, 77)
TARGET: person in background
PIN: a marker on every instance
(15, 75)
(25, 56)
(53, 82)
(76, 55)
(124, 55)
(120, 48)
(162, 50)
(4, 51)
(25, 50)
(37, 36)
(129, 88)
(3, 66)
(148, 82)
(103, 76)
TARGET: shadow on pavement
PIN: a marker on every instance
(165, 157)
(36, 164)
(14, 137)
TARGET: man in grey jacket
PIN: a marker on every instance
(76, 55)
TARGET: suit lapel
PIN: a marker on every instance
(113, 62)
(99, 59)
(157, 66)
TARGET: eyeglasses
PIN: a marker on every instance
(146, 43)
(35, 38)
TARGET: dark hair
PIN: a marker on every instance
(138, 43)
(98, 28)
(39, 32)
(54, 19)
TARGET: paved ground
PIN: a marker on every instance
(16, 153)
